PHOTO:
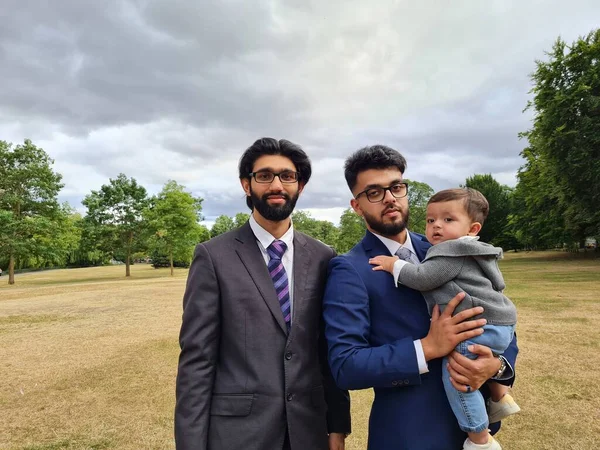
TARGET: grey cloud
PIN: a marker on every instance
(109, 66)
(178, 89)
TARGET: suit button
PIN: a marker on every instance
(288, 355)
(394, 383)
(290, 397)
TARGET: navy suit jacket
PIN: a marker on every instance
(370, 326)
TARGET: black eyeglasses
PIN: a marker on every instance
(286, 177)
(377, 194)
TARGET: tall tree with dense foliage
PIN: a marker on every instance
(29, 209)
(351, 230)
(222, 224)
(240, 219)
(322, 230)
(115, 212)
(561, 175)
(85, 253)
(173, 220)
(495, 229)
(418, 196)
(304, 222)
(535, 222)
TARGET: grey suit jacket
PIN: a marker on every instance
(242, 380)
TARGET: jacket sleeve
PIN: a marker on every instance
(338, 400)
(355, 364)
(431, 273)
(199, 342)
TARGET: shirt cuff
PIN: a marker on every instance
(423, 367)
(398, 265)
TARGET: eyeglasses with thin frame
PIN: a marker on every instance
(377, 194)
(266, 177)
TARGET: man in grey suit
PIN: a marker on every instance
(253, 371)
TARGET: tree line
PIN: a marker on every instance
(122, 222)
(556, 201)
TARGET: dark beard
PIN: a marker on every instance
(387, 229)
(274, 213)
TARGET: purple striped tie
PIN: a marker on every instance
(279, 277)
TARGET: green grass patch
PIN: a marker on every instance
(72, 444)
(25, 319)
(542, 303)
(580, 320)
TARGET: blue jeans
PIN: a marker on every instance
(469, 407)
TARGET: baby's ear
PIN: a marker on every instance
(475, 229)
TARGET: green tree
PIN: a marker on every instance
(29, 209)
(322, 230)
(351, 230)
(173, 220)
(241, 219)
(204, 234)
(563, 154)
(223, 224)
(327, 233)
(62, 242)
(534, 222)
(418, 196)
(304, 222)
(85, 253)
(115, 214)
(498, 196)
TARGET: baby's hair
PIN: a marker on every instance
(476, 205)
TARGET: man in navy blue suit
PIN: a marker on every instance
(381, 336)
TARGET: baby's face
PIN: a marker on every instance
(447, 220)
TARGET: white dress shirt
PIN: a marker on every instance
(393, 247)
(264, 239)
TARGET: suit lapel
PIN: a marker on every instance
(373, 245)
(250, 255)
(301, 266)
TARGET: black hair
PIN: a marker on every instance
(372, 157)
(270, 146)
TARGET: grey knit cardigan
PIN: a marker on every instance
(462, 265)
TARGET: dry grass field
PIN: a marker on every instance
(88, 358)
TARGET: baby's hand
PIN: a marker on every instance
(384, 263)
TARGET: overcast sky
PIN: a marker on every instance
(174, 89)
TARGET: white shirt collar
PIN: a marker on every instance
(470, 238)
(393, 246)
(265, 238)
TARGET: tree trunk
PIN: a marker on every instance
(171, 262)
(128, 259)
(11, 261)
(127, 268)
(11, 270)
